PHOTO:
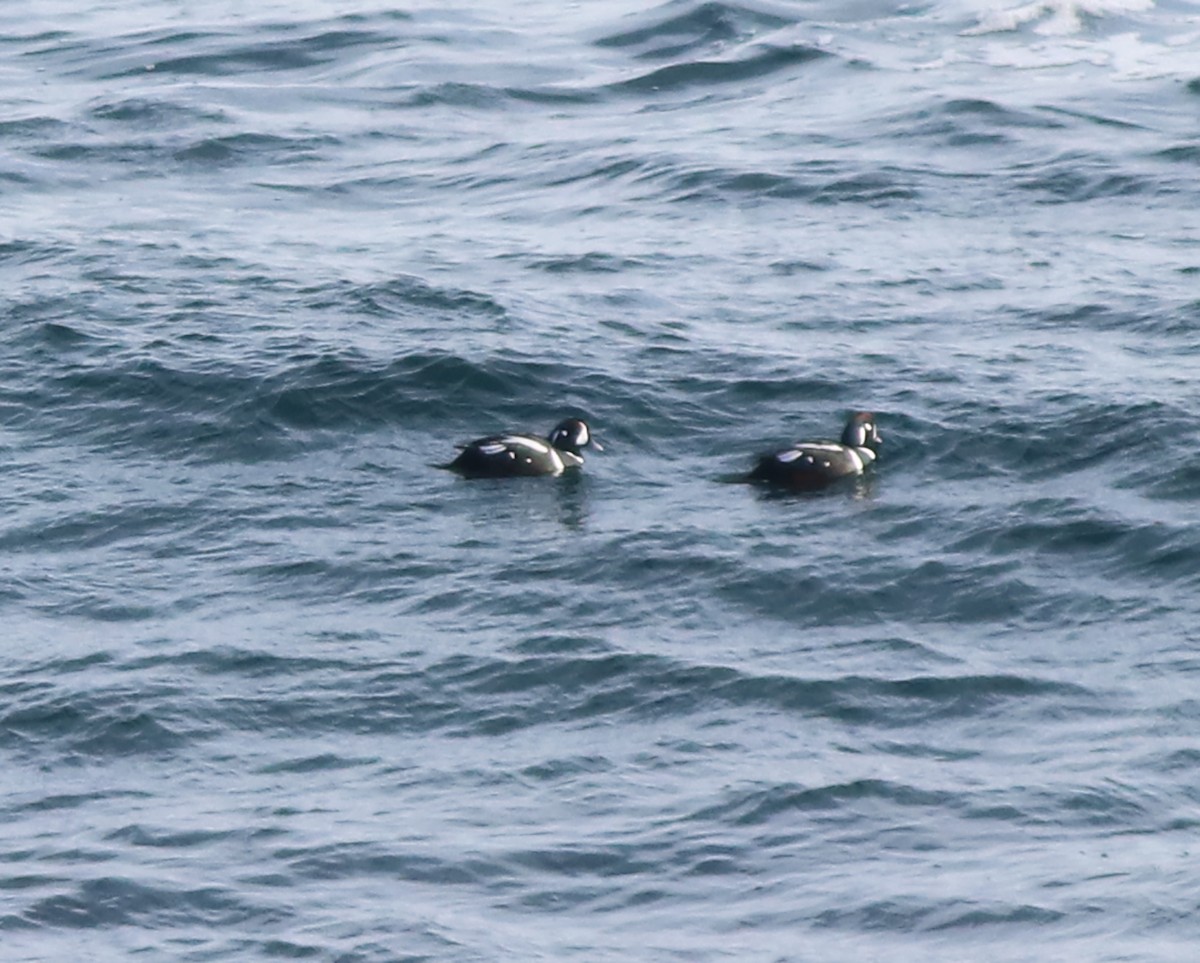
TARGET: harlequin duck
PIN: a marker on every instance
(502, 456)
(811, 465)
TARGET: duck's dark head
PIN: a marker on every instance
(862, 431)
(573, 435)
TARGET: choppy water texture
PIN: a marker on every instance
(272, 687)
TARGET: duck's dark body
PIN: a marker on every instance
(813, 465)
(505, 456)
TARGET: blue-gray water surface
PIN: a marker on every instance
(272, 686)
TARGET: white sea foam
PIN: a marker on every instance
(1054, 17)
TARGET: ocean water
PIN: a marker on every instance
(272, 687)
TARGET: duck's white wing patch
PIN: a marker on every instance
(492, 448)
(526, 443)
(807, 450)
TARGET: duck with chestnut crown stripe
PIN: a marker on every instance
(506, 456)
(812, 465)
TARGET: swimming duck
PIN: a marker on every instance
(812, 465)
(502, 456)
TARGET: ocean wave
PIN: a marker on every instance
(212, 52)
(107, 901)
(468, 695)
(673, 29)
(762, 61)
(215, 409)
(94, 726)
